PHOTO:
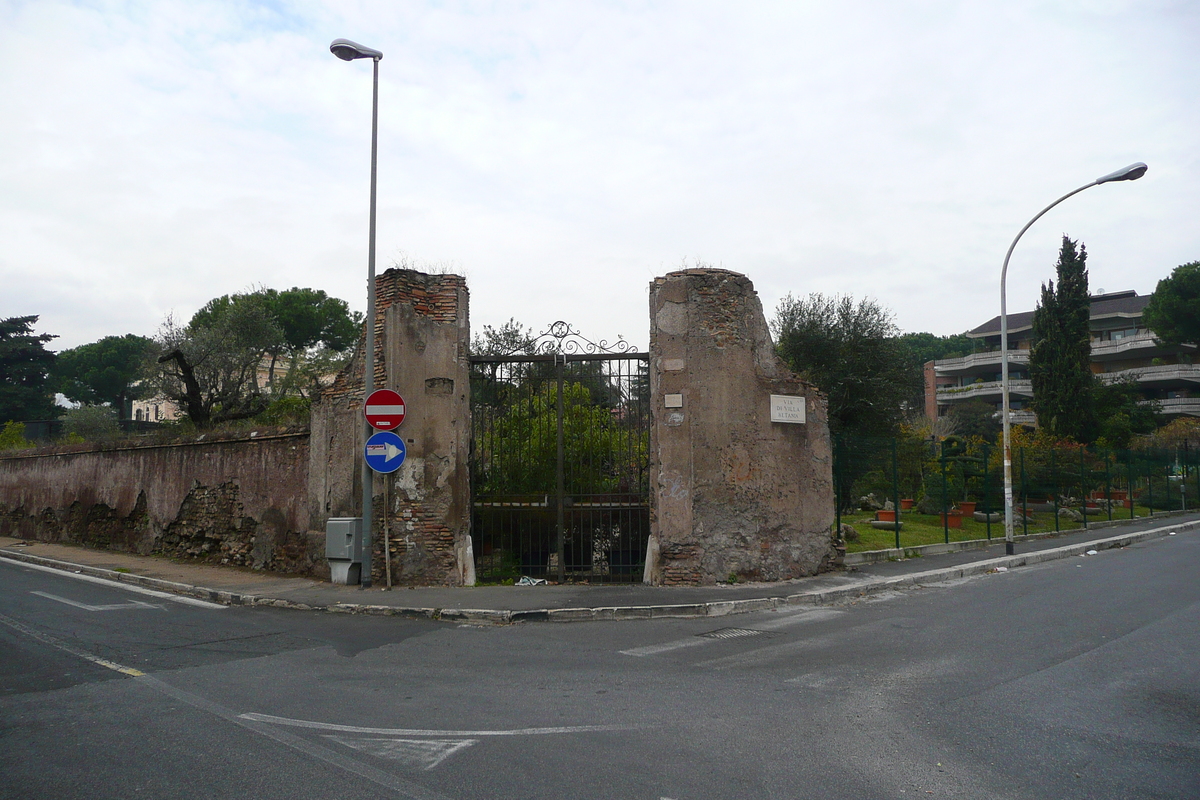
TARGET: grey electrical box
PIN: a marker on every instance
(343, 538)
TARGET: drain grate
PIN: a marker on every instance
(731, 633)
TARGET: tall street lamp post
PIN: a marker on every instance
(349, 51)
(1130, 173)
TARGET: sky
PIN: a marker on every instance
(154, 155)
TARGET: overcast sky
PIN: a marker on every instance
(561, 155)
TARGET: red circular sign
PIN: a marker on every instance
(384, 409)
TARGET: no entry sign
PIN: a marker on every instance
(384, 409)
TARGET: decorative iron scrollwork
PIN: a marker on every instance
(561, 339)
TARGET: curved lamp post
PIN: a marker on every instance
(349, 51)
(1130, 173)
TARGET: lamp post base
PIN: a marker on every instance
(1010, 549)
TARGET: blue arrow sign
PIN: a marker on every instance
(385, 452)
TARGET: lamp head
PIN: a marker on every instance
(347, 50)
(1130, 173)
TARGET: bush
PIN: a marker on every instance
(12, 436)
(90, 423)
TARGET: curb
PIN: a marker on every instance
(718, 608)
(941, 548)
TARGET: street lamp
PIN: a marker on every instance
(349, 51)
(1130, 173)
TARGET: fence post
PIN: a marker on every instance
(1024, 497)
(896, 492)
(837, 484)
(1057, 488)
(1130, 481)
(1149, 483)
(1107, 486)
(1083, 485)
(987, 506)
(945, 498)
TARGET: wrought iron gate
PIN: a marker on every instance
(560, 445)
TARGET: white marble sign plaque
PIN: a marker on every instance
(786, 408)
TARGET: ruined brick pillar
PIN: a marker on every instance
(422, 338)
(739, 485)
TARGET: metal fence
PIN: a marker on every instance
(560, 466)
(945, 482)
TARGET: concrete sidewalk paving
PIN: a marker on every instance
(570, 603)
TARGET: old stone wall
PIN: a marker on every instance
(422, 336)
(733, 494)
(239, 500)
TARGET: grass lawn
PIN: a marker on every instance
(917, 529)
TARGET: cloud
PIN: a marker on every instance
(564, 154)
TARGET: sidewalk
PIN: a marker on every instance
(507, 604)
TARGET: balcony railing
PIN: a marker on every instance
(955, 394)
(1163, 373)
(1139, 341)
(1179, 406)
(952, 366)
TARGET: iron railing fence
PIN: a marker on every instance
(560, 451)
(947, 481)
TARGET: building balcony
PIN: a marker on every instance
(1179, 406)
(979, 362)
(986, 390)
(1162, 376)
(1139, 345)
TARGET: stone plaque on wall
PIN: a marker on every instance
(787, 408)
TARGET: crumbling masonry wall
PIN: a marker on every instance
(422, 339)
(239, 500)
(733, 494)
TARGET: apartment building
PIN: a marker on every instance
(1122, 348)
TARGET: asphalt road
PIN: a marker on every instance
(1073, 679)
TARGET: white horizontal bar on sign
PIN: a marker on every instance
(373, 410)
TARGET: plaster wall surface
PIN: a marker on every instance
(733, 493)
(422, 336)
(239, 500)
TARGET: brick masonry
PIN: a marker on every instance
(422, 337)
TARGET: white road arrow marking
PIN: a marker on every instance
(420, 753)
(110, 607)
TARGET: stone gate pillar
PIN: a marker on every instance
(740, 486)
(422, 339)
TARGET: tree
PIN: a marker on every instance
(923, 347)
(1173, 312)
(108, 371)
(88, 423)
(211, 367)
(1121, 414)
(976, 418)
(852, 353)
(1059, 363)
(310, 324)
(25, 363)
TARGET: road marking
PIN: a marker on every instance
(331, 757)
(329, 726)
(423, 753)
(53, 642)
(110, 607)
(178, 598)
(786, 621)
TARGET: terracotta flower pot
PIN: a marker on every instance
(952, 519)
(906, 505)
(885, 516)
(967, 507)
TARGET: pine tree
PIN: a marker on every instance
(1059, 364)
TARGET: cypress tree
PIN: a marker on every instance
(1059, 363)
